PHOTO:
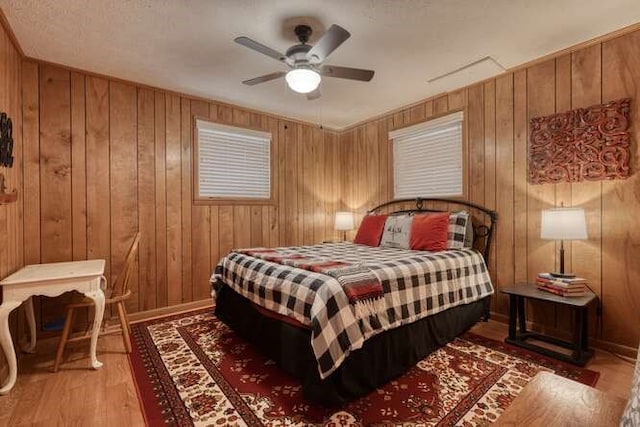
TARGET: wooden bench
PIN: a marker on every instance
(550, 400)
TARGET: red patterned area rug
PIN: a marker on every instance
(193, 370)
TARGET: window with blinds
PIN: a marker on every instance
(427, 158)
(232, 163)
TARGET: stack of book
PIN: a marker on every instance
(563, 286)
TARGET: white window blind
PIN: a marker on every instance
(233, 162)
(427, 158)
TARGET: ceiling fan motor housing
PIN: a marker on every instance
(298, 54)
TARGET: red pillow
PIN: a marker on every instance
(430, 232)
(370, 230)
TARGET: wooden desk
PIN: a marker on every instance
(580, 343)
(49, 280)
(552, 400)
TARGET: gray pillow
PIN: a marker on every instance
(397, 230)
(468, 235)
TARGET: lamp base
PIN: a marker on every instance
(563, 275)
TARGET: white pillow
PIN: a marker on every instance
(397, 230)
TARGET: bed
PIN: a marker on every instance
(303, 320)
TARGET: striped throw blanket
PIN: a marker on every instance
(362, 287)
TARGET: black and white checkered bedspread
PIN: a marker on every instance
(416, 284)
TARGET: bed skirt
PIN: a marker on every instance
(383, 357)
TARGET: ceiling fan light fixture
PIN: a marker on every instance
(303, 80)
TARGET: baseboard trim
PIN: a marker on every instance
(609, 346)
(143, 316)
(618, 349)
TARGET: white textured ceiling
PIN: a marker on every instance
(187, 45)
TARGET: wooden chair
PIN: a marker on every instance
(113, 295)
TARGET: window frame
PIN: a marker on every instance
(465, 153)
(197, 199)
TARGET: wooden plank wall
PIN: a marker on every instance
(11, 224)
(497, 114)
(106, 158)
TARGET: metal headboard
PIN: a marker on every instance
(482, 229)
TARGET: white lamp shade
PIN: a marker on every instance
(563, 224)
(303, 80)
(344, 221)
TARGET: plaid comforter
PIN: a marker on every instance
(416, 284)
(362, 286)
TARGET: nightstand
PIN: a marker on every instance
(580, 342)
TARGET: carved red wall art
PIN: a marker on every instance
(585, 144)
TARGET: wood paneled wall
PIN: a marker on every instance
(497, 114)
(11, 231)
(106, 158)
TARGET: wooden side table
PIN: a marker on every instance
(579, 305)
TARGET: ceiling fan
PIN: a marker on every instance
(306, 61)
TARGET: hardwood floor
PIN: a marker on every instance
(77, 395)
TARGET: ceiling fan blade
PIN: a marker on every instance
(334, 37)
(259, 47)
(314, 94)
(347, 73)
(265, 78)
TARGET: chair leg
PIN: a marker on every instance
(124, 323)
(68, 322)
(128, 324)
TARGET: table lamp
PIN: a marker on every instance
(563, 224)
(344, 222)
